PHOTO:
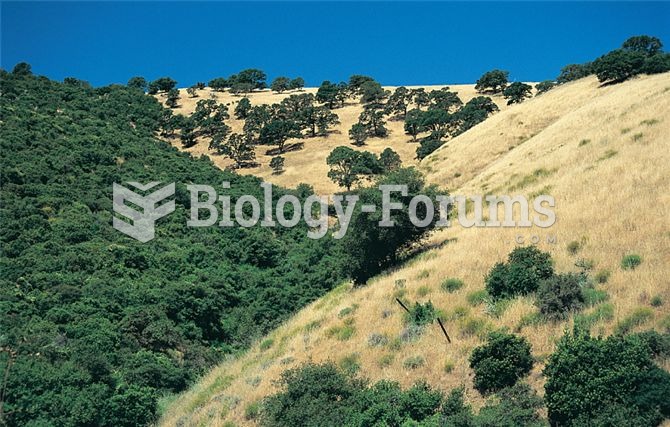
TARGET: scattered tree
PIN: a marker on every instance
(328, 94)
(297, 84)
(22, 69)
(238, 148)
(192, 91)
(494, 81)
(390, 160)
(501, 362)
(358, 133)
(521, 275)
(138, 83)
(342, 161)
(172, 98)
(277, 165)
(414, 123)
(242, 109)
(218, 84)
(281, 84)
(544, 86)
(277, 132)
(517, 92)
(163, 84)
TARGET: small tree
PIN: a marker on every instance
(494, 81)
(138, 83)
(242, 109)
(427, 147)
(618, 65)
(238, 148)
(328, 94)
(277, 132)
(342, 161)
(358, 133)
(280, 84)
(277, 165)
(413, 123)
(517, 92)
(192, 91)
(420, 97)
(444, 99)
(399, 101)
(501, 362)
(574, 71)
(373, 121)
(525, 268)
(647, 45)
(218, 84)
(544, 86)
(187, 135)
(163, 84)
(172, 98)
(297, 84)
(559, 295)
(372, 92)
(24, 69)
(389, 160)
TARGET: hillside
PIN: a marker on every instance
(602, 152)
(309, 164)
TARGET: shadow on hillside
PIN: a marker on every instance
(287, 149)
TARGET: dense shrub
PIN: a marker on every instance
(521, 274)
(588, 377)
(500, 362)
(631, 261)
(559, 295)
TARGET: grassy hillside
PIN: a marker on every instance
(309, 164)
(602, 152)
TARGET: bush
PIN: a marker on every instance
(266, 344)
(500, 362)
(594, 296)
(586, 376)
(656, 301)
(476, 298)
(252, 411)
(451, 285)
(421, 314)
(525, 268)
(518, 405)
(377, 340)
(350, 364)
(426, 147)
(631, 261)
(560, 295)
(574, 247)
(413, 362)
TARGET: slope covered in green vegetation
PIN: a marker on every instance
(95, 326)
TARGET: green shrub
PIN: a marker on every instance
(500, 362)
(602, 276)
(496, 308)
(594, 296)
(560, 295)
(603, 312)
(518, 405)
(476, 298)
(341, 332)
(638, 317)
(656, 301)
(413, 362)
(448, 366)
(473, 326)
(346, 311)
(631, 261)
(586, 375)
(266, 344)
(252, 410)
(525, 268)
(451, 285)
(530, 319)
(421, 314)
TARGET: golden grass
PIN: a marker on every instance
(612, 204)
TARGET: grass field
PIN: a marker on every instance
(602, 152)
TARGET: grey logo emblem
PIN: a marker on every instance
(141, 224)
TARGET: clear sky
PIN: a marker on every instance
(397, 43)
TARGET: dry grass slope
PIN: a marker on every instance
(603, 153)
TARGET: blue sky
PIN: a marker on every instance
(397, 43)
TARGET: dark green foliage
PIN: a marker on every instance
(544, 86)
(297, 84)
(238, 147)
(218, 84)
(372, 248)
(525, 268)
(500, 362)
(372, 118)
(631, 262)
(248, 80)
(389, 160)
(644, 44)
(618, 65)
(559, 295)
(514, 406)
(358, 133)
(163, 84)
(595, 378)
(413, 123)
(574, 72)
(329, 94)
(242, 109)
(421, 314)
(494, 81)
(277, 165)
(280, 84)
(22, 69)
(101, 324)
(398, 102)
(659, 63)
(426, 147)
(277, 132)
(517, 92)
(444, 99)
(138, 83)
(172, 98)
